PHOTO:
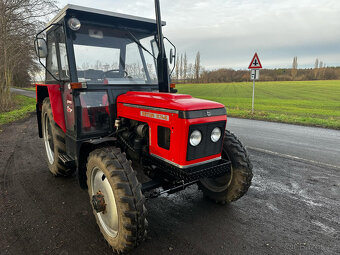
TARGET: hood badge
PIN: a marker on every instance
(208, 113)
(152, 115)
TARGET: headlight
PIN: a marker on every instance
(74, 24)
(216, 134)
(195, 138)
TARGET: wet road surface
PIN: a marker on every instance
(291, 207)
(310, 143)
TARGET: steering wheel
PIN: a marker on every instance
(117, 70)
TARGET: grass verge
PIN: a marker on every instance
(313, 103)
(24, 105)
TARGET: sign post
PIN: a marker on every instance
(255, 66)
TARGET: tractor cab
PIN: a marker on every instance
(98, 47)
(107, 103)
(93, 56)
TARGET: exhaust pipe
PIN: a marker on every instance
(162, 61)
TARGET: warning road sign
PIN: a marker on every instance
(255, 63)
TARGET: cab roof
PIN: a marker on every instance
(70, 8)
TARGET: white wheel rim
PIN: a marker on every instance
(48, 139)
(109, 218)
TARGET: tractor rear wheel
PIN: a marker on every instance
(230, 187)
(116, 198)
(54, 140)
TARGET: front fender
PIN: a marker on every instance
(83, 151)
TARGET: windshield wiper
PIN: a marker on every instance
(138, 43)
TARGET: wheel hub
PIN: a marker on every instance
(104, 202)
(98, 202)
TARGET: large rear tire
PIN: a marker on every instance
(117, 199)
(230, 187)
(54, 141)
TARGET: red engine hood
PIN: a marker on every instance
(169, 101)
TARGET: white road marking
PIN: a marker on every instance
(272, 207)
(324, 227)
(292, 157)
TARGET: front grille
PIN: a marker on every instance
(206, 147)
(208, 170)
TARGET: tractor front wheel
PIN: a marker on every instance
(54, 141)
(232, 186)
(116, 198)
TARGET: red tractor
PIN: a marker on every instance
(107, 108)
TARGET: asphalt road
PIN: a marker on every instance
(23, 92)
(292, 207)
(316, 145)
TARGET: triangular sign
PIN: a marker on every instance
(255, 63)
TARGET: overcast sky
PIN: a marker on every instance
(228, 32)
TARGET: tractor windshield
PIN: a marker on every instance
(114, 56)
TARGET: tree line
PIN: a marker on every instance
(230, 75)
(188, 73)
(19, 22)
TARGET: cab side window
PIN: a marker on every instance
(51, 61)
(60, 40)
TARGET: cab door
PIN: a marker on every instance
(65, 79)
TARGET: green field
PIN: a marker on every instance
(314, 103)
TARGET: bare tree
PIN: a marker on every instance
(322, 67)
(316, 67)
(185, 67)
(197, 66)
(190, 72)
(294, 68)
(19, 21)
(181, 67)
(177, 69)
(321, 64)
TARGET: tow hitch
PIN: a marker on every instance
(177, 188)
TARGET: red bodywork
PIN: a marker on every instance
(56, 103)
(159, 109)
(155, 109)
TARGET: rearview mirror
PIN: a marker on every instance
(40, 47)
(172, 56)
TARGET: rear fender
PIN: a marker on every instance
(53, 92)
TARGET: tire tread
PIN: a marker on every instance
(131, 198)
(242, 171)
(57, 168)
